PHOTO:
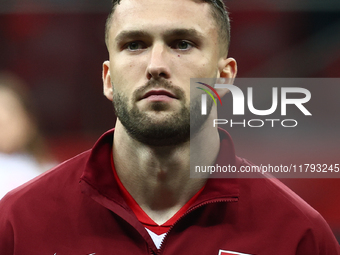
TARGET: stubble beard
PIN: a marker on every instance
(166, 130)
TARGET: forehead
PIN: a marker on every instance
(160, 15)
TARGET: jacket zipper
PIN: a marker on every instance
(188, 212)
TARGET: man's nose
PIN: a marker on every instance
(158, 63)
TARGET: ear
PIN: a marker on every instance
(107, 85)
(227, 68)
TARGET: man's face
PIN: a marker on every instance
(155, 48)
(16, 127)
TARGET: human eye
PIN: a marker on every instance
(135, 46)
(182, 45)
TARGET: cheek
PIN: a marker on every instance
(126, 75)
(200, 67)
(208, 68)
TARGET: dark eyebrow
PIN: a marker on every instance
(130, 34)
(183, 32)
(180, 32)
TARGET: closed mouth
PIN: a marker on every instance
(158, 93)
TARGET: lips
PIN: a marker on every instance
(158, 93)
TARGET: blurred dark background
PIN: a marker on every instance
(58, 48)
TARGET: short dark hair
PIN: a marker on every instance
(219, 13)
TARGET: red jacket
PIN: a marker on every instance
(77, 209)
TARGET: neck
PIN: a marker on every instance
(158, 178)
